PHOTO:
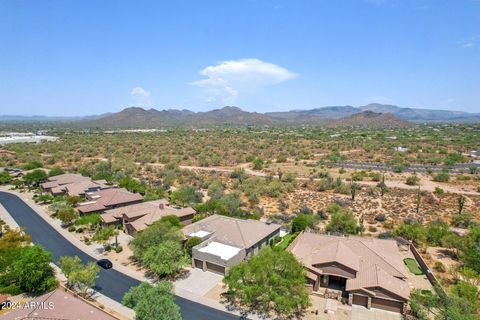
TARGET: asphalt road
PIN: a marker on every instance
(412, 168)
(110, 283)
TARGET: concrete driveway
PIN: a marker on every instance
(198, 281)
(362, 313)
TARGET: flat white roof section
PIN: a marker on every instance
(201, 234)
(219, 249)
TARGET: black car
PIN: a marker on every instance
(105, 263)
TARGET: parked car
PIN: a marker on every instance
(105, 263)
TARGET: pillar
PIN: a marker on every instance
(350, 299)
(369, 302)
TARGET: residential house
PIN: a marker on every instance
(369, 271)
(56, 185)
(102, 200)
(60, 305)
(136, 217)
(227, 241)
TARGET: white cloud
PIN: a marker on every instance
(142, 98)
(226, 80)
(470, 42)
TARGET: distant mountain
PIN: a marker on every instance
(36, 118)
(370, 119)
(423, 115)
(135, 117)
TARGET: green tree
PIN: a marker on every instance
(56, 171)
(153, 302)
(231, 203)
(436, 231)
(132, 184)
(300, 223)
(154, 235)
(467, 292)
(5, 177)
(272, 282)
(414, 232)
(185, 196)
(84, 278)
(216, 189)
(343, 221)
(190, 243)
(35, 177)
(32, 271)
(69, 265)
(164, 259)
(471, 253)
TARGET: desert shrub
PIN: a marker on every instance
(441, 177)
(412, 180)
(439, 266)
(380, 217)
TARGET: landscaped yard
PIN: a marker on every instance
(413, 266)
(287, 240)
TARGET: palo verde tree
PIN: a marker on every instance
(152, 302)
(270, 283)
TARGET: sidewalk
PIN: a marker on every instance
(91, 251)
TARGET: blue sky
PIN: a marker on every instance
(89, 57)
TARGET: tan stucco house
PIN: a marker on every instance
(369, 271)
(227, 241)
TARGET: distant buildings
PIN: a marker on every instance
(369, 270)
(17, 137)
(137, 217)
(227, 241)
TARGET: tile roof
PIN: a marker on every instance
(102, 199)
(231, 231)
(375, 276)
(65, 306)
(376, 261)
(145, 213)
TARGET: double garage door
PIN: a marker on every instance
(388, 305)
(379, 303)
(215, 268)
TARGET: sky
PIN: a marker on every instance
(70, 58)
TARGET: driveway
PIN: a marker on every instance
(198, 281)
(362, 313)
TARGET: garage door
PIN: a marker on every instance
(360, 300)
(215, 268)
(198, 264)
(388, 305)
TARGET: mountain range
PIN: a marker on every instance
(371, 115)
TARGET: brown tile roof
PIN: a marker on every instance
(374, 276)
(146, 213)
(63, 179)
(235, 232)
(103, 199)
(373, 259)
(65, 306)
